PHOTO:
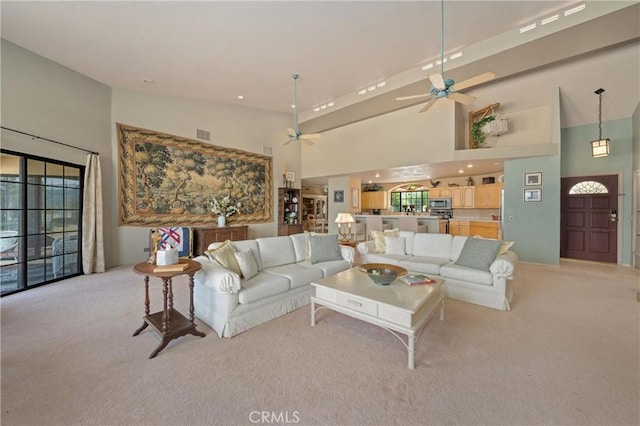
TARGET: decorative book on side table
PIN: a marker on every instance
(416, 279)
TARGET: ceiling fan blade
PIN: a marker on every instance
(437, 81)
(311, 136)
(428, 105)
(292, 133)
(478, 79)
(307, 141)
(289, 141)
(461, 97)
(406, 98)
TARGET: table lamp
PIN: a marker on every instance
(344, 218)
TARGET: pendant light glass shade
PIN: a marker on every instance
(600, 147)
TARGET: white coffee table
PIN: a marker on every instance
(398, 307)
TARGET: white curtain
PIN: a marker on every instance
(92, 233)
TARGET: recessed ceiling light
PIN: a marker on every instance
(428, 177)
(469, 165)
(574, 10)
(362, 92)
(148, 81)
(369, 181)
(460, 171)
(240, 97)
(550, 19)
(323, 107)
(316, 109)
(370, 88)
(381, 84)
(377, 175)
(293, 106)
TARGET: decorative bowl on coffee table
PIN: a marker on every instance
(382, 273)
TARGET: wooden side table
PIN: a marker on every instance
(169, 323)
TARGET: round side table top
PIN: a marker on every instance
(145, 268)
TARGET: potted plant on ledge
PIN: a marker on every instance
(477, 134)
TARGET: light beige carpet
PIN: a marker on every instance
(567, 353)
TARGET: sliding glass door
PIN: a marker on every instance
(40, 220)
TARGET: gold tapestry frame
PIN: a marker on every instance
(170, 180)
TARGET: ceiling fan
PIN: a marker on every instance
(295, 134)
(445, 87)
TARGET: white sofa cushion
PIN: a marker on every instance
(424, 264)
(432, 245)
(463, 273)
(393, 259)
(328, 268)
(395, 245)
(247, 262)
(297, 275)
(299, 246)
(261, 286)
(276, 251)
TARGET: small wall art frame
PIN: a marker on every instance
(533, 179)
(338, 196)
(533, 195)
(355, 198)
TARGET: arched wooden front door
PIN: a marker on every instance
(589, 218)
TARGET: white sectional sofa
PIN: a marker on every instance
(231, 304)
(437, 254)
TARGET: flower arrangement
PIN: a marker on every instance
(224, 207)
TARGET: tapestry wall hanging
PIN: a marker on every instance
(171, 180)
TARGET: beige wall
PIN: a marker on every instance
(230, 126)
(48, 100)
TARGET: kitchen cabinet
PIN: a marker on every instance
(485, 229)
(374, 200)
(462, 197)
(440, 192)
(459, 227)
(488, 196)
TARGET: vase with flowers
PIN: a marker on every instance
(224, 208)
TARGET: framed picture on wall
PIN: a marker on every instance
(533, 179)
(290, 176)
(533, 195)
(355, 198)
(338, 196)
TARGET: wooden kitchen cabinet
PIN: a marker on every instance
(374, 200)
(462, 197)
(488, 196)
(440, 192)
(459, 227)
(485, 229)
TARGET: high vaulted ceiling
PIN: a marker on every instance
(215, 51)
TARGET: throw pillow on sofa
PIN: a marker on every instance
(307, 251)
(478, 253)
(247, 263)
(224, 255)
(506, 245)
(395, 245)
(324, 248)
(378, 239)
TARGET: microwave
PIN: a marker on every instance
(439, 203)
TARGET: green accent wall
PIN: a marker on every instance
(534, 226)
(577, 161)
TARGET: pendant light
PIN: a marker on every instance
(600, 147)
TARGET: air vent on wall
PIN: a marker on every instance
(203, 134)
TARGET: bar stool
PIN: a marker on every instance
(359, 228)
(408, 223)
